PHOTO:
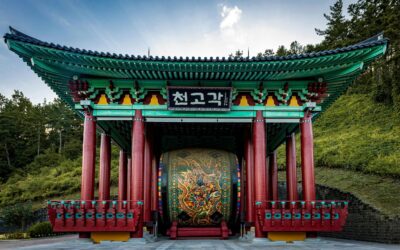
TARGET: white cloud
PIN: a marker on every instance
(230, 17)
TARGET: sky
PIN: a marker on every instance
(166, 28)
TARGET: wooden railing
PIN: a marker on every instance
(94, 215)
(302, 216)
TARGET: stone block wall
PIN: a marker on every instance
(364, 222)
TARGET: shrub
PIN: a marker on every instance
(41, 229)
(18, 215)
(16, 236)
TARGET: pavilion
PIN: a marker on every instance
(155, 107)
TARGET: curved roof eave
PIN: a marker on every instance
(19, 36)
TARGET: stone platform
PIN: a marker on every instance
(72, 242)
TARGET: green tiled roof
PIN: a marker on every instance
(57, 65)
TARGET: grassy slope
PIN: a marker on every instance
(61, 180)
(353, 139)
(356, 133)
(378, 191)
(356, 142)
(357, 150)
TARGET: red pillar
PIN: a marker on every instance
(154, 184)
(259, 143)
(248, 154)
(122, 175)
(307, 157)
(105, 167)
(291, 174)
(129, 178)
(137, 166)
(273, 175)
(147, 177)
(88, 157)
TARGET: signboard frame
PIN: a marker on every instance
(204, 90)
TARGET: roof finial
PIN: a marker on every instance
(248, 52)
(148, 51)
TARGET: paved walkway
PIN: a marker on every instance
(72, 242)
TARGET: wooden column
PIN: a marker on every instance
(307, 157)
(291, 174)
(154, 184)
(122, 176)
(273, 176)
(147, 177)
(128, 178)
(88, 157)
(259, 143)
(137, 166)
(105, 167)
(249, 160)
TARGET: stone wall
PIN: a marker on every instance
(364, 222)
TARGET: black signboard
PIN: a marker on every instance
(199, 98)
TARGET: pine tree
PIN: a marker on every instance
(282, 51)
(336, 33)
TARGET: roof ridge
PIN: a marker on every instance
(372, 41)
(20, 34)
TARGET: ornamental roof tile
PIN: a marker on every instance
(370, 42)
(57, 65)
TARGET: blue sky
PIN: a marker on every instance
(175, 28)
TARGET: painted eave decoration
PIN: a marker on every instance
(57, 65)
(129, 82)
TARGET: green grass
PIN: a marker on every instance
(378, 191)
(356, 133)
(60, 179)
(357, 150)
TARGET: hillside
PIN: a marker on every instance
(359, 134)
(357, 150)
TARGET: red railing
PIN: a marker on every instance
(94, 215)
(302, 216)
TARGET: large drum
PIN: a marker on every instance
(199, 187)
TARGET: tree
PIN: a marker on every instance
(27, 130)
(18, 215)
(282, 51)
(336, 32)
(267, 52)
(295, 48)
(368, 18)
(237, 55)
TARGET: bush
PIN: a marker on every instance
(18, 215)
(16, 236)
(41, 229)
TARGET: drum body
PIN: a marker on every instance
(199, 187)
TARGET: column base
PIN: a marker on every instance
(84, 235)
(97, 237)
(287, 236)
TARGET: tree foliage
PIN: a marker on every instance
(366, 19)
(28, 130)
(19, 215)
(336, 32)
